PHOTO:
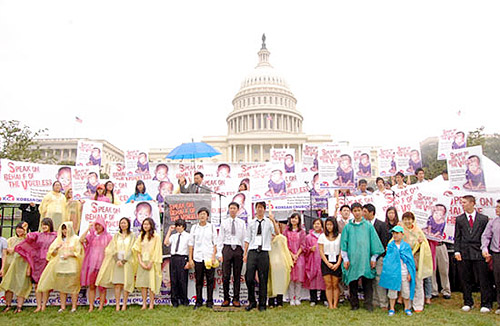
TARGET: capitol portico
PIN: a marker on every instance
(264, 116)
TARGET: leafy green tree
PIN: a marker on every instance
(18, 142)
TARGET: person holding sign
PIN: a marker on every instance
(202, 255)
(329, 250)
(179, 262)
(119, 265)
(94, 240)
(360, 247)
(194, 188)
(257, 246)
(232, 238)
(62, 273)
(469, 228)
(148, 249)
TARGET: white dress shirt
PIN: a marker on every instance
(183, 245)
(203, 240)
(226, 238)
(266, 236)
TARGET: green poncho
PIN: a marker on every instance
(361, 242)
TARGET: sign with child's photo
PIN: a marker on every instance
(450, 139)
(408, 159)
(88, 153)
(431, 213)
(465, 169)
(136, 212)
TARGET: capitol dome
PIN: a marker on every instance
(264, 103)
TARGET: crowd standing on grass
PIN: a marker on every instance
(354, 257)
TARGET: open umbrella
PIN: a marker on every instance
(192, 151)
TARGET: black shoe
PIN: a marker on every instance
(262, 308)
(369, 308)
(250, 306)
(196, 306)
(175, 305)
(447, 297)
(354, 307)
(210, 305)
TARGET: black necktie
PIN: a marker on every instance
(177, 244)
(259, 232)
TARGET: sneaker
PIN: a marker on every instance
(497, 312)
(466, 308)
(297, 302)
(312, 304)
(292, 302)
(408, 312)
(484, 310)
(325, 303)
(447, 297)
(391, 312)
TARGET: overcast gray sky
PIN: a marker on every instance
(158, 73)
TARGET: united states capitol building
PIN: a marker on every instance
(264, 116)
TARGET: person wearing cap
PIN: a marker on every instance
(398, 272)
(202, 255)
(100, 194)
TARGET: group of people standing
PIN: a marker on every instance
(389, 260)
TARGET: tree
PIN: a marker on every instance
(17, 142)
(476, 137)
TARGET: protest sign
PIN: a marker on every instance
(88, 153)
(450, 139)
(465, 169)
(284, 156)
(310, 158)
(362, 162)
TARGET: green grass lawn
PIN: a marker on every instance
(441, 312)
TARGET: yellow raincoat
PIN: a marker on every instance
(63, 274)
(150, 251)
(120, 248)
(421, 251)
(73, 213)
(15, 269)
(53, 206)
(280, 266)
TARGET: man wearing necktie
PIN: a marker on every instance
(232, 238)
(257, 246)
(179, 262)
(469, 227)
(193, 188)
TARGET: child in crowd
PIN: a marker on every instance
(95, 240)
(314, 278)
(296, 237)
(329, 250)
(148, 249)
(62, 273)
(34, 250)
(15, 271)
(398, 272)
(119, 265)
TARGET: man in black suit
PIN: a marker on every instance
(379, 293)
(471, 265)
